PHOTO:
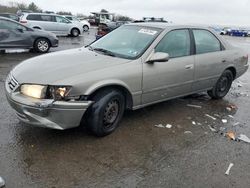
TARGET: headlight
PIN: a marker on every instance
(45, 92)
(58, 92)
(35, 91)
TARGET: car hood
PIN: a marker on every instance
(57, 67)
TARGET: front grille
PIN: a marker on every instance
(12, 83)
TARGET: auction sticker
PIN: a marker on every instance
(147, 31)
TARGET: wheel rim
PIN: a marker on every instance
(111, 113)
(85, 28)
(75, 32)
(43, 45)
(223, 86)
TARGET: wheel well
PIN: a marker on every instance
(42, 38)
(123, 90)
(36, 27)
(233, 70)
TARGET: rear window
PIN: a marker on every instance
(38, 17)
(34, 17)
(47, 18)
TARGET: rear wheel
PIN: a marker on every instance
(222, 86)
(104, 115)
(75, 32)
(42, 45)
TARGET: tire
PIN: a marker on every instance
(104, 115)
(75, 32)
(222, 86)
(37, 28)
(85, 28)
(42, 45)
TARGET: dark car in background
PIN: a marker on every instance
(238, 33)
(16, 35)
(104, 29)
(10, 16)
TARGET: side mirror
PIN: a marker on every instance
(20, 30)
(158, 57)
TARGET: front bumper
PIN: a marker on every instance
(47, 113)
(54, 42)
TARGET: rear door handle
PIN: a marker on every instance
(188, 67)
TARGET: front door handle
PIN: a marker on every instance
(188, 67)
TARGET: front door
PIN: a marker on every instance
(14, 35)
(165, 80)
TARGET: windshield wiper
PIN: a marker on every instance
(104, 51)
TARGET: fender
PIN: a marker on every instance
(105, 83)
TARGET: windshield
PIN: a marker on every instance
(127, 41)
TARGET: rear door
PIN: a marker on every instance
(14, 35)
(48, 23)
(210, 59)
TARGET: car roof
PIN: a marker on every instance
(41, 14)
(164, 25)
(8, 19)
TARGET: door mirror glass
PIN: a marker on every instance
(20, 30)
(159, 57)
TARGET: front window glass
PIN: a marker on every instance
(127, 41)
(206, 42)
(61, 19)
(175, 43)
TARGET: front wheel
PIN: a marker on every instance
(104, 115)
(85, 28)
(222, 86)
(42, 45)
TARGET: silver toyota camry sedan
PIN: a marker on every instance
(134, 66)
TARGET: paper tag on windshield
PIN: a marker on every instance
(147, 31)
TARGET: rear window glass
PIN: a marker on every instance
(34, 17)
(46, 18)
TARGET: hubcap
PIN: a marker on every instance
(85, 28)
(111, 113)
(43, 45)
(223, 85)
(75, 32)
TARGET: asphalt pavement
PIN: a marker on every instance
(192, 151)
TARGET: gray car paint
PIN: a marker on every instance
(87, 71)
(25, 39)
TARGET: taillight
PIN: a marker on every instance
(23, 22)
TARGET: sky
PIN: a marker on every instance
(208, 12)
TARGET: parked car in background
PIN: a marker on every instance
(51, 22)
(225, 31)
(11, 16)
(104, 29)
(84, 24)
(238, 33)
(134, 66)
(16, 35)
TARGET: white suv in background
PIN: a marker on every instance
(51, 22)
(82, 23)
